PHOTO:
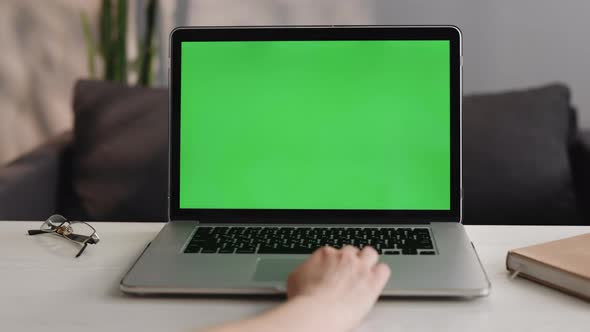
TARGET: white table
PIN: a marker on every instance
(43, 287)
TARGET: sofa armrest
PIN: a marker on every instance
(584, 141)
(29, 185)
(580, 158)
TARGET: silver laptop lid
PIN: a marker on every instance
(331, 124)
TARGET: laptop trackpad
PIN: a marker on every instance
(275, 269)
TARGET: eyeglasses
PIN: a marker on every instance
(76, 231)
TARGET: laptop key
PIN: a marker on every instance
(427, 252)
(248, 250)
(305, 240)
(192, 249)
(266, 250)
(284, 250)
(204, 230)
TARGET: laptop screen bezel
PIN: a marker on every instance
(312, 33)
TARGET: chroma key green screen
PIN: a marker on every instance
(315, 125)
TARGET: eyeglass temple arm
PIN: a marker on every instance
(36, 231)
(82, 250)
(74, 237)
(81, 238)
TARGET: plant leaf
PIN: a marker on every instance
(121, 42)
(90, 44)
(145, 54)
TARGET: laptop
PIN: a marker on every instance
(286, 139)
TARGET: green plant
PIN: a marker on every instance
(111, 44)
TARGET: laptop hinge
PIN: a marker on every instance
(309, 223)
(180, 220)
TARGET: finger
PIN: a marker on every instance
(325, 251)
(316, 257)
(323, 256)
(328, 250)
(349, 250)
(369, 256)
(381, 274)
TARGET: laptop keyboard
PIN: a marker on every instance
(305, 240)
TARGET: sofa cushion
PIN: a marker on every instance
(515, 157)
(119, 156)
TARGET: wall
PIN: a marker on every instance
(511, 43)
(507, 44)
(42, 54)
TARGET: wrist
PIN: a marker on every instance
(318, 313)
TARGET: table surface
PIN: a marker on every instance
(45, 288)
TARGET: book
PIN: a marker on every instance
(563, 264)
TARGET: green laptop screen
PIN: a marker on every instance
(361, 125)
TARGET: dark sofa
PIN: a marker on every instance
(524, 160)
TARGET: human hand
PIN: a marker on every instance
(346, 283)
(331, 291)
